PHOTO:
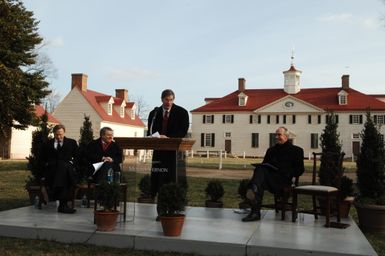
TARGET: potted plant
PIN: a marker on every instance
(346, 196)
(214, 191)
(171, 205)
(330, 173)
(242, 189)
(108, 195)
(330, 143)
(370, 203)
(144, 186)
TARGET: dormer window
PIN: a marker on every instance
(132, 114)
(109, 110)
(342, 98)
(122, 111)
(242, 99)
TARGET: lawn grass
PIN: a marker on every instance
(13, 195)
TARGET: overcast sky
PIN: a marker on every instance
(200, 48)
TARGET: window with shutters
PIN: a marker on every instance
(272, 140)
(314, 140)
(284, 119)
(208, 119)
(335, 118)
(268, 119)
(255, 119)
(309, 119)
(319, 119)
(355, 119)
(277, 119)
(255, 140)
(294, 119)
(207, 139)
(379, 119)
(228, 119)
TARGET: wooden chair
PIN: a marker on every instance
(320, 191)
(281, 201)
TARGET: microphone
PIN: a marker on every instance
(156, 109)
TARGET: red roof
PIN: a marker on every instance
(39, 111)
(94, 98)
(325, 98)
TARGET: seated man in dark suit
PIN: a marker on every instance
(104, 150)
(281, 163)
(60, 156)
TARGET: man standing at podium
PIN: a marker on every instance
(170, 121)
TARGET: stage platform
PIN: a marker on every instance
(206, 232)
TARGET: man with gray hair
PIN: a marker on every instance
(281, 163)
(104, 149)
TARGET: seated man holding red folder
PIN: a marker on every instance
(281, 163)
(104, 150)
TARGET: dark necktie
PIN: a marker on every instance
(164, 123)
(59, 146)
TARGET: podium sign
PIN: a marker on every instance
(179, 145)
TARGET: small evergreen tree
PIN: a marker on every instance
(330, 143)
(370, 162)
(39, 137)
(86, 136)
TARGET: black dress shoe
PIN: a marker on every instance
(253, 216)
(66, 209)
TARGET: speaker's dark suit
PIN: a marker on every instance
(164, 162)
(59, 166)
(95, 153)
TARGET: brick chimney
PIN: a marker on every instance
(345, 82)
(80, 81)
(122, 94)
(241, 84)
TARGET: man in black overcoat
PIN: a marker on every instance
(281, 163)
(104, 149)
(60, 157)
(170, 121)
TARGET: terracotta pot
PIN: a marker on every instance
(106, 221)
(212, 204)
(172, 225)
(345, 206)
(146, 200)
(371, 217)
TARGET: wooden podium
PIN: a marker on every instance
(179, 145)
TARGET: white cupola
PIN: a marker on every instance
(292, 79)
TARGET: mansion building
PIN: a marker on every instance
(244, 121)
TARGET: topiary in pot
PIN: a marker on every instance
(346, 192)
(171, 205)
(330, 143)
(371, 179)
(242, 189)
(214, 191)
(108, 195)
(144, 186)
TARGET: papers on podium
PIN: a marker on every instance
(97, 167)
(155, 135)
